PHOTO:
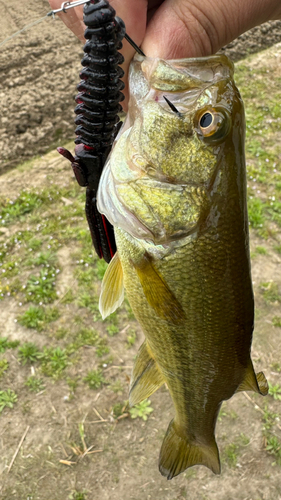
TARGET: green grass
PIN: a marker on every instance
(7, 399)
(46, 258)
(112, 330)
(131, 338)
(261, 250)
(35, 243)
(78, 495)
(270, 292)
(276, 367)
(28, 353)
(273, 447)
(119, 409)
(256, 213)
(25, 203)
(84, 337)
(274, 391)
(262, 105)
(94, 379)
(269, 420)
(230, 454)
(53, 361)
(102, 348)
(277, 248)
(116, 387)
(11, 269)
(4, 365)
(35, 384)
(243, 439)
(7, 344)
(38, 317)
(276, 321)
(41, 289)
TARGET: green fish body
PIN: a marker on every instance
(175, 190)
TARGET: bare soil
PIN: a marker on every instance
(40, 71)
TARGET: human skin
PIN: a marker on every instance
(174, 29)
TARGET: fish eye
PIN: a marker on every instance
(206, 120)
(212, 124)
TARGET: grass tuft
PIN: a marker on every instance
(38, 317)
(7, 344)
(41, 289)
(270, 292)
(7, 399)
(94, 379)
(28, 353)
(35, 384)
(4, 365)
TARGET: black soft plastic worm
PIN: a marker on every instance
(97, 112)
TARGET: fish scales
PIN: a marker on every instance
(175, 190)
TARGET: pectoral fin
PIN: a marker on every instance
(177, 453)
(254, 382)
(112, 288)
(146, 377)
(157, 292)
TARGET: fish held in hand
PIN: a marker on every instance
(174, 188)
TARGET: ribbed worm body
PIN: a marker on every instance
(97, 112)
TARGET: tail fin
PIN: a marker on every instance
(177, 454)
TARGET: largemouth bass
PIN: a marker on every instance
(175, 190)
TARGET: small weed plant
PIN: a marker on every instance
(28, 353)
(41, 289)
(141, 410)
(7, 344)
(35, 384)
(4, 365)
(274, 448)
(230, 454)
(94, 379)
(37, 317)
(270, 292)
(275, 391)
(120, 410)
(7, 399)
(276, 321)
(54, 361)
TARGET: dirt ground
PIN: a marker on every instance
(39, 435)
(39, 74)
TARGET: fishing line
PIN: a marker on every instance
(64, 8)
(23, 29)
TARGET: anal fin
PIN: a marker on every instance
(112, 288)
(157, 293)
(146, 377)
(254, 382)
(177, 454)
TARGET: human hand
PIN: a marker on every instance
(180, 28)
